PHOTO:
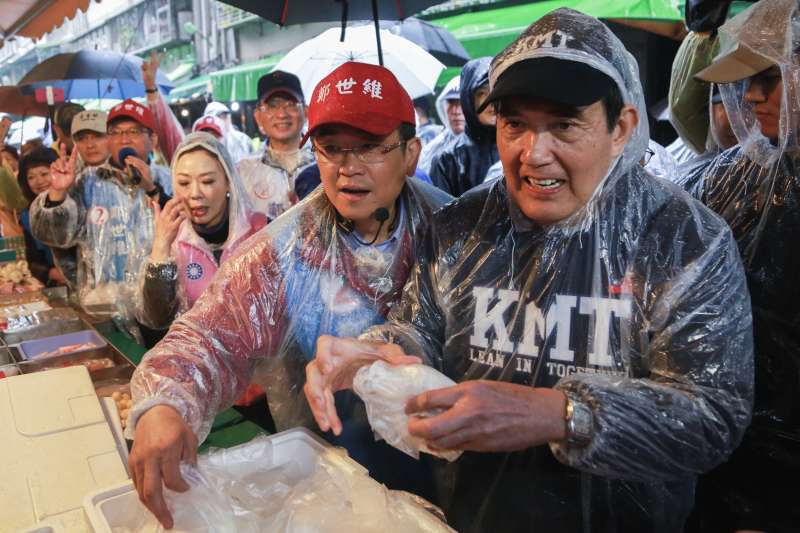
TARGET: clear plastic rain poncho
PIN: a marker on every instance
(636, 306)
(755, 187)
(302, 276)
(171, 288)
(111, 222)
(446, 137)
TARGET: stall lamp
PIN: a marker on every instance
(235, 106)
(184, 112)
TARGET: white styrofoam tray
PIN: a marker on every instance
(60, 448)
(118, 506)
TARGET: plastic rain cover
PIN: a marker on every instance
(171, 288)
(300, 277)
(755, 187)
(636, 306)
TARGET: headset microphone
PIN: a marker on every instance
(381, 215)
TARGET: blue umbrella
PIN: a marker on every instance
(90, 74)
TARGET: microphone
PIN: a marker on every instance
(381, 214)
(133, 172)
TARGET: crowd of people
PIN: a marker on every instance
(620, 318)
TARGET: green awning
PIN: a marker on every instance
(181, 71)
(487, 32)
(447, 74)
(240, 83)
(186, 90)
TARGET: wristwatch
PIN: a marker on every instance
(580, 423)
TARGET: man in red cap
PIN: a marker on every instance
(106, 211)
(335, 264)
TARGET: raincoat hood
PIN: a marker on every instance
(474, 74)
(755, 187)
(451, 91)
(569, 35)
(238, 205)
(772, 28)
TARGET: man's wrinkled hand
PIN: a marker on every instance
(487, 416)
(162, 441)
(335, 365)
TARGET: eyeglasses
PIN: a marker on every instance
(132, 132)
(366, 153)
(273, 106)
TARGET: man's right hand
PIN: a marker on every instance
(335, 365)
(162, 441)
(62, 172)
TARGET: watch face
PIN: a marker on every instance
(581, 424)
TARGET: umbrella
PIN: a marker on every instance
(14, 101)
(23, 131)
(91, 74)
(312, 60)
(434, 39)
(287, 12)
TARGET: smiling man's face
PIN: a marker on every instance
(554, 156)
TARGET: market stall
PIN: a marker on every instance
(64, 399)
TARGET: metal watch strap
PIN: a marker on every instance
(580, 423)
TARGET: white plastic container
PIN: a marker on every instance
(118, 506)
(58, 447)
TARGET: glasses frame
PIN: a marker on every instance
(385, 149)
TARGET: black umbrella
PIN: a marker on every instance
(91, 74)
(434, 39)
(285, 12)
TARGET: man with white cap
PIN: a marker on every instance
(90, 138)
(239, 145)
(595, 317)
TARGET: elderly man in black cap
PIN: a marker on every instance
(595, 318)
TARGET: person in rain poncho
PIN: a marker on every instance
(334, 264)
(239, 145)
(426, 129)
(269, 176)
(755, 187)
(198, 229)
(580, 302)
(106, 212)
(463, 164)
(448, 107)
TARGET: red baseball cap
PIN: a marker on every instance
(135, 111)
(208, 123)
(366, 97)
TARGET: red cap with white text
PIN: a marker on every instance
(360, 95)
(135, 111)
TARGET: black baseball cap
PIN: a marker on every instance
(279, 82)
(556, 80)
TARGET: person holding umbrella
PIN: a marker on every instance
(448, 107)
(269, 176)
(336, 262)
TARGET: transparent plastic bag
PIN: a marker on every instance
(385, 390)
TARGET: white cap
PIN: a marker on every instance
(216, 109)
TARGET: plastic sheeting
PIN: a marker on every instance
(385, 390)
(111, 223)
(171, 288)
(636, 305)
(247, 491)
(302, 276)
(755, 188)
(270, 182)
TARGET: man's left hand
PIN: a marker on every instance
(147, 182)
(488, 416)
